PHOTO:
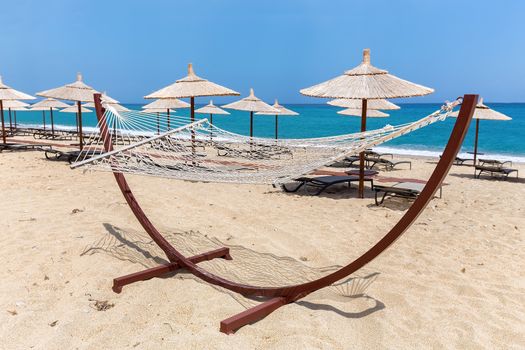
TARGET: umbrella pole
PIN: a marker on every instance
(192, 119)
(211, 126)
(251, 124)
(44, 119)
(168, 118)
(361, 191)
(52, 121)
(10, 121)
(3, 127)
(14, 115)
(476, 142)
(80, 125)
(276, 125)
(158, 123)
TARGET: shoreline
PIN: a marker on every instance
(396, 150)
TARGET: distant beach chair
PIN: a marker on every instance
(370, 153)
(24, 147)
(321, 183)
(69, 156)
(494, 162)
(494, 171)
(408, 190)
(461, 161)
(388, 164)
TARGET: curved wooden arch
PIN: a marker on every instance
(285, 294)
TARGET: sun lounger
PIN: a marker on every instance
(24, 147)
(408, 190)
(494, 171)
(321, 183)
(461, 161)
(68, 156)
(389, 165)
(371, 153)
(494, 162)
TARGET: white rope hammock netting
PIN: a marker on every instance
(157, 144)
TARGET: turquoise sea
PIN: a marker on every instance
(500, 139)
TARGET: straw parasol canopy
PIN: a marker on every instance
(44, 105)
(251, 104)
(6, 94)
(211, 109)
(372, 104)
(282, 111)
(77, 91)
(74, 109)
(366, 82)
(156, 110)
(357, 112)
(108, 101)
(192, 86)
(48, 103)
(11, 104)
(482, 112)
(104, 98)
(167, 103)
(117, 107)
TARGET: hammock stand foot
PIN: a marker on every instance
(161, 270)
(230, 325)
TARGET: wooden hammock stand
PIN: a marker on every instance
(279, 296)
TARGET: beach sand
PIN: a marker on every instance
(455, 280)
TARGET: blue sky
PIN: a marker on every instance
(131, 48)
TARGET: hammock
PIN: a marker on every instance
(161, 145)
(143, 152)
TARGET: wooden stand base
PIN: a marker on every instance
(161, 270)
(230, 325)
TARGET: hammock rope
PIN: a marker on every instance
(157, 144)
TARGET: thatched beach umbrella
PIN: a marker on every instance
(167, 104)
(211, 109)
(10, 105)
(7, 94)
(18, 109)
(158, 111)
(357, 112)
(78, 110)
(48, 103)
(77, 91)
(108, 101)
(482, 112)
(357, 104)
(191, 86)
(74, 109)
(366, 82)
(282, 111)
(251, 104)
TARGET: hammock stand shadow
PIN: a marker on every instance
(279, 296)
